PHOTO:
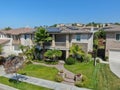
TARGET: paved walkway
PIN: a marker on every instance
(44, 83)
(5, 87)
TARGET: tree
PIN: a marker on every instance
(28, 52)
(53, 54)
(76, 51)
(41, 37)
(7, 28)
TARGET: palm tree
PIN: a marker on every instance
(53, 54)
(76, 51)
(42, 36)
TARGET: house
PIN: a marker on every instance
(65, 36)
(14, 38)
(62, 38)
(113, 42)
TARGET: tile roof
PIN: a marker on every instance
(3, 41)
(112, 28)
(69, 29)
(18, 31)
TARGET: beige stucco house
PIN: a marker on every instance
(62, 38)
(113, 41)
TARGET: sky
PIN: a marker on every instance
(22, 13)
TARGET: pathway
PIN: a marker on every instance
(69, 79)
(44, 83)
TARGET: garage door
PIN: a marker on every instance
(114, 55)
(114, 60)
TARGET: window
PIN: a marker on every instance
(26, 36)
(78, 38)
(118, 37)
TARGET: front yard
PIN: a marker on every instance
(39, 71)
(98, 78)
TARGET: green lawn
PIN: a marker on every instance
(21, 85)
(98, 78)
(40, 71)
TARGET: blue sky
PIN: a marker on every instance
(21, 13)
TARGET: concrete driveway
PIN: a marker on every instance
(115, 66)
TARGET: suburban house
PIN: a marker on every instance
(11, 39)
(113, 42)
(62, 38)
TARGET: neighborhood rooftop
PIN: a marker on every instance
(63, 29)
(112, 28)
(18, 31)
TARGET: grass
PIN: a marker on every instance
(86, 69)
(21, 85)
(106, 80)
(39, 71)
(98, 78)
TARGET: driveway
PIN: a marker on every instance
(115, 66)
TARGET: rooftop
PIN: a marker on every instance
(18, 31)
(112, 28)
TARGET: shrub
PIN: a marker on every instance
(70, 61)
(79, 84)
(98, 61)
(58, 78)
(106, 58)
(87, 57)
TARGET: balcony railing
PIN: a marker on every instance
(16, 41)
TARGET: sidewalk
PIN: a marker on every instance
(5, 87)
(44, 83)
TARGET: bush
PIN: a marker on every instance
(58, 78)
(106, 58)
(87, 57)
(70, 61)
(79, 84)
(98, 61)
(84, 78)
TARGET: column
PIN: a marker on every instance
(67, 54)
(53, 40)
(67, 41)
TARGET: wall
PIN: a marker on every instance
(27, 41)
(111, 42)
(86, 39)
